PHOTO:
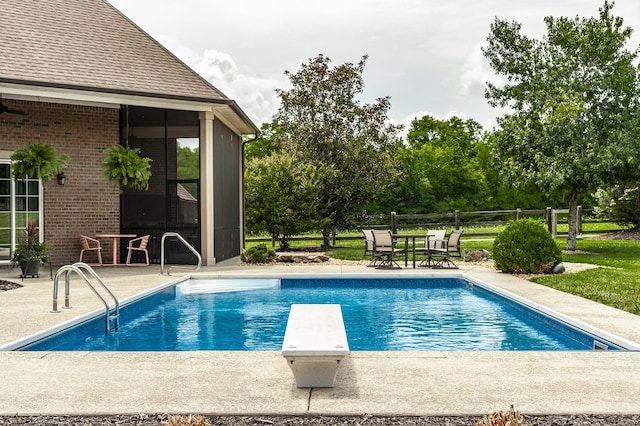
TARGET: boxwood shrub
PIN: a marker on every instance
(258, 254)
(525, 247)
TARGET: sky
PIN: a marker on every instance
(425, 54)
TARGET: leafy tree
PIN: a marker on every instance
(264, 144)
(188, 161)
(574, 97)
(282, 196)
(322, 122)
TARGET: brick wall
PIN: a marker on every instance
(88, 203)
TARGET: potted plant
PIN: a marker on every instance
(126, 168)
(37, 160)
(30, 252)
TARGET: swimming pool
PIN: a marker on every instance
(395, 314)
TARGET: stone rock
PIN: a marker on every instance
(558, 269)
(302, 258)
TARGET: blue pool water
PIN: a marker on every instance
(379, 314)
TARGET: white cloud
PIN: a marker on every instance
(476, 72)
(256, 96)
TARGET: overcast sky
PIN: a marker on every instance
(425, 54)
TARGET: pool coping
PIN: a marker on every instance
(377, 383)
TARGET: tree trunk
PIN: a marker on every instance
(573, 221)
(326, 238)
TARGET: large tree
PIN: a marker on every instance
(574, 98)
(321, 122)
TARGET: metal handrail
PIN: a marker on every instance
(179, 237)
(77, 268)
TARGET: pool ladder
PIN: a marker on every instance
(183, 241)
(112, 314)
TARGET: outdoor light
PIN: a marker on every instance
(61, 178)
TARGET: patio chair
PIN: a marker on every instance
(90, 244)
(442, 256)
(435, 239)
(368, 247)
(138, 244)
(384, 249)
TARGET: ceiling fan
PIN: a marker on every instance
(4, 108)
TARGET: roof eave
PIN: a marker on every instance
(113, 98)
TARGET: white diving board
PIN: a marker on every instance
(315, 341)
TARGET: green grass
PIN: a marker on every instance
(617, 284)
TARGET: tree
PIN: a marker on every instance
(282, 196)
(264, 144)
(574, 98)
(320, 121)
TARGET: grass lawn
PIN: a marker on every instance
(617, 284)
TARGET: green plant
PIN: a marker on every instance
(30, 248)
(525, 247)
(258, 254)
(126, 168)
(620, 204)
(37, 160)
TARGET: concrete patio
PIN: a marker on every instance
(377, 383)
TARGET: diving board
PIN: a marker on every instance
(315, 342)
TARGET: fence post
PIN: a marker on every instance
(394, 223)
(457, 219)
(579, 221)
(518, 213)
(549, 221)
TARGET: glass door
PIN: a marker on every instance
(5, 212)
(20, 202)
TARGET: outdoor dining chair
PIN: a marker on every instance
(442, 256)
(384, 249)
(90, 244)
(434, 239)
(138, 244)
(368, 247)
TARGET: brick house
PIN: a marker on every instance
(80, 76)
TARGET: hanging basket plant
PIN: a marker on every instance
(37, 160)
(126, 168)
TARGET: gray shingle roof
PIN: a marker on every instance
(89, 44)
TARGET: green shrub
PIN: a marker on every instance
(620, 204)
(258, 254)
(525, 247)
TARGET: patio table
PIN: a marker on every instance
(114, 259)
(413, 245)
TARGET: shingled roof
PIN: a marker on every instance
(89, 45)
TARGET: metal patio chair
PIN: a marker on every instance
(384, 249)
(442, 256)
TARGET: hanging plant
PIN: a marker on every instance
(126, 168)
(37, 160)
